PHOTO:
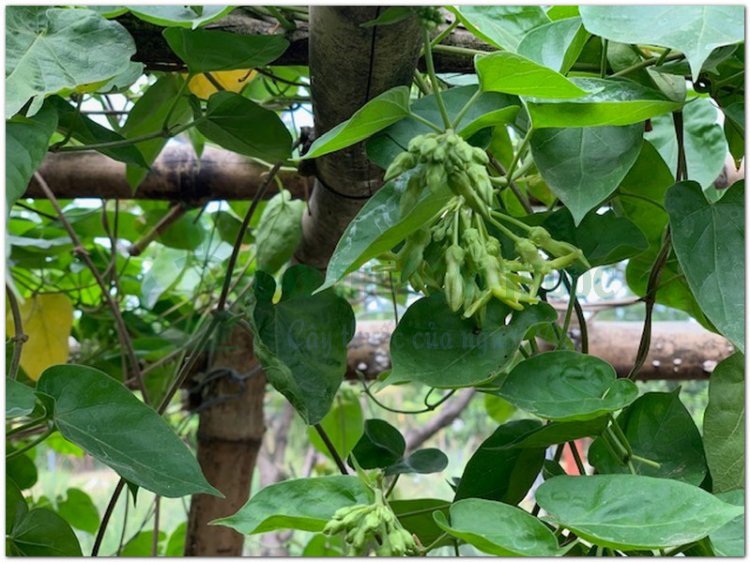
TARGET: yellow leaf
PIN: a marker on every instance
(230, 80)
(47, 321)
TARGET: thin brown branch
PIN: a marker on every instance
(173, 214)
(122, 330)
(452, 409)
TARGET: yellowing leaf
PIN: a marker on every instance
(230, 80)
(47, 321)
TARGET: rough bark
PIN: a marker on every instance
(376, 59)
(229, 437)
(178, 175)
(153, 51)
(679, 350)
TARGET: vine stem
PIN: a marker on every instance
(201, 341)
(163, 134)
(433, 79)
(331, 449)
(122, 330)
(661, 259)
(106, 517)
(30, 445)
(20, 337)
(155, 534)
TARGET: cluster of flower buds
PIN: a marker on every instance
(372, 526)
(429, 16)
(455, 252)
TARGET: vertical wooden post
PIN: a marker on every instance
(229, 437)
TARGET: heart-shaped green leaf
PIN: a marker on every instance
(440, 348)
(380, 446)
(629, 512)
(567, 386)
(704, 141)
(306, 504)
(241, 125)
(709, 241)
(51, 49)
(584, 165)
(180, 16)
(42, 532)
(301, 340)
(499, 529)
(100, 415)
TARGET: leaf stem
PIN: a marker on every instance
(19, 337)
(106, 517)
(517, 156)
(424, 121)
(331, 449)
(433, 79)
(466, 108)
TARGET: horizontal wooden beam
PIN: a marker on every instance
(178, 175)
(155, 54)
(679, 350)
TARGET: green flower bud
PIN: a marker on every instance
(479, 156)
(454, 283)
(473, 243)
(401, 163)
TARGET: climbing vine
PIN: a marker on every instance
(585, 137)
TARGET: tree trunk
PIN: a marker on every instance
(229, 437)
(349, 65)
